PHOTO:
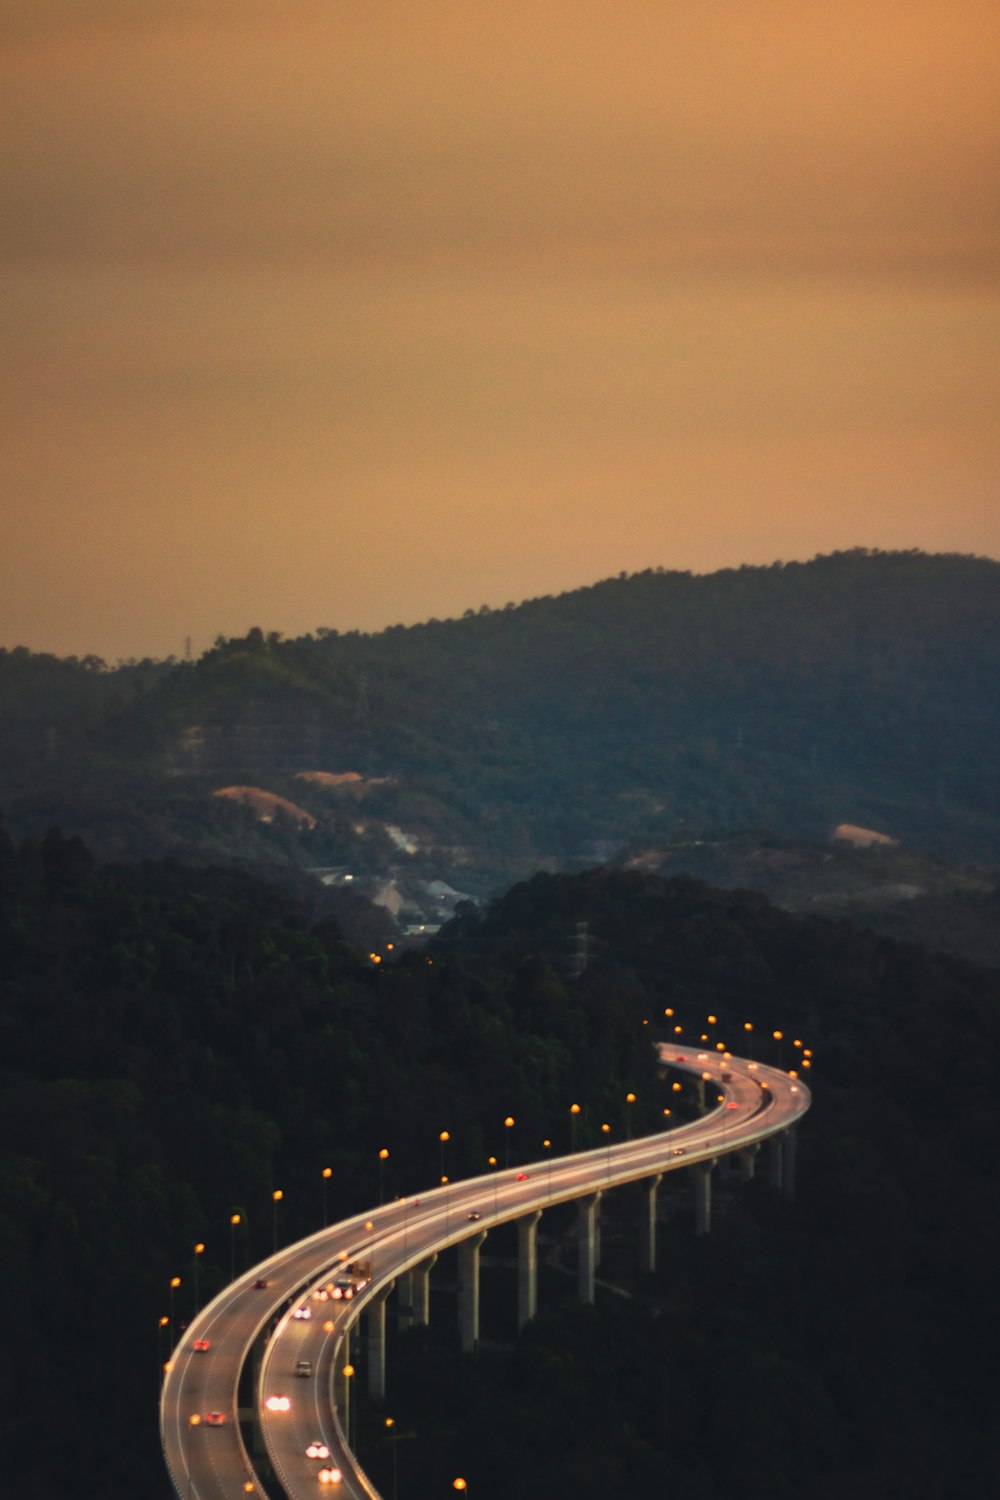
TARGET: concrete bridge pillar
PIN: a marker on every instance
(414, 1308)
(586, 1245)
(647, 1222)
(746, 1161)
(375, 1314)
(703, 1197)
(527, 1267)
(788, 1154)
(775, 1162)
(468, 1290)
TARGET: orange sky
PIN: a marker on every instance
(352, 313)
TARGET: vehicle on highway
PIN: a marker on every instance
(261, 1284)
(305, 1311)
(318, 1449)
(215, 1418)
(329, 1476)
(278, 1403)
(521, 1177)
(201, 1346)
(474, 1217)
(677, 1151)
(304, 1367)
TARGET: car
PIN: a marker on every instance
(474, 1217)
(304, 1367)
(521, 1177)
(726, 1076)
(215, 1418)
(201, 1346)
(320, 1294)
(329, 1476)
(261, 1284)
(318, 1449)
(278, 1403)
(680, 1057)
(305, 1311)
(678, 1151)
(732, 1104)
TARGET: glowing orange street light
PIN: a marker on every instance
(508, 1126)
(629, 1100)
(459, 1484)
(383, 1157)
(199, 1251)
(444, 1137)
(234, 1222)
(325, 1175)
(669, 1011)
(677, 1030)
(276, 1198)
(574, 1110)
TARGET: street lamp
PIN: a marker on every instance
(574, 1110)
(444, 1137)
(390, 1426)
(547, 1147)
(175, 1282)
(348, 1371)
(199, 1251)
(193, 1421)
(276, 1198)
(508, 1126)
(606, 1132)
(326, 1174)
(383, 1157)
(629, 1100)
(459, 1484)
(491, 1161)
(234, 1223)
(748, 1028)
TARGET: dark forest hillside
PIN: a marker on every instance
(859, 688)
(168, 1038)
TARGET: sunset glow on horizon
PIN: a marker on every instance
(338, 315)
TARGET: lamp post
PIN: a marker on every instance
(326, 1174)
(508, 1127)
(491, 1161)
(276, 1198)
(175, 1282)
(778, 1037)
(199, 1251)
(162, 1323)
(606, 1132)
(443, 1138)
(390, 1426)
(383, 1157)
(193, 1421)
(547, 1148)
(629, 1101)
(748, 1028)
(574, 1111)
(234, 1222)
(348, 1371)
(460, 1485)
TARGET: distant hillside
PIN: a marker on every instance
(859, 688)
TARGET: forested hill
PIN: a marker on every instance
(859, 687)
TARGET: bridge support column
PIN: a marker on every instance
(468, 1291)
(647, 1222)
(746, 1161)
(586, 1245)
(415, 1295)
(375, 1313)
(788, 1153)
(527, 1267)
(703, 1197)
(775, 1162)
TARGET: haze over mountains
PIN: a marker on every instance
(654, 711)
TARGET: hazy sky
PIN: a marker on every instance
(365, 311)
